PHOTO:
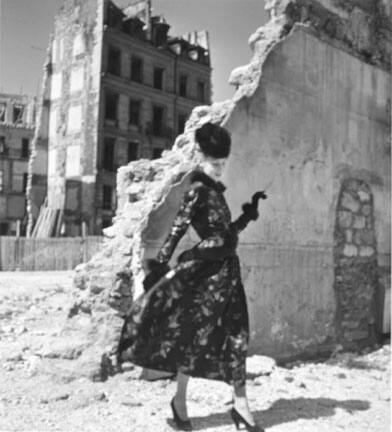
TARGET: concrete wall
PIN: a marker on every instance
(319, 116)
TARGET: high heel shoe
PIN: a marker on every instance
(184, 425)
(238, 419)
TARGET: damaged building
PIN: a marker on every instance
(311, 124)
(118, 89)
(17, 114)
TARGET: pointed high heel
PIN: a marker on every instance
(184, 425)
(238, 419)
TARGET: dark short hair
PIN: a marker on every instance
(214, 140)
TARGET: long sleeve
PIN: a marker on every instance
(240, 223)
(180, 224)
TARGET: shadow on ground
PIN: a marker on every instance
(285, 411)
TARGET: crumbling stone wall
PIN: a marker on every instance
(356, 278)
(298, 131)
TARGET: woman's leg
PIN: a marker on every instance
(180, 396)
(241, 404)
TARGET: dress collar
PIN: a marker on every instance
(208, 181)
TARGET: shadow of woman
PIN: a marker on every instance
(287, 410)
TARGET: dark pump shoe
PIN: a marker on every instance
(184, 425)
(238, 419)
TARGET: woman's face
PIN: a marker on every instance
(213, 167)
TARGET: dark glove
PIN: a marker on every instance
(156, 271)
(250, 209)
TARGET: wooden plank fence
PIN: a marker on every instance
(54, 253)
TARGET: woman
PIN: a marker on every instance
(193, 320)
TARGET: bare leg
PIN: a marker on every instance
(241, 404)
(180, 396)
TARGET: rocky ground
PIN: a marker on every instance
(41, 391)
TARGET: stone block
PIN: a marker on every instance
(363, 196)
(366, 209)
(359, 222)
(349, 202)
(366, 251)
(350, 250)
(367, 237)
(357, 239)
(349, 235)
(345, 219)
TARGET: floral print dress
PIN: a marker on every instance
(194, 320)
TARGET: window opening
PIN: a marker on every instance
(133, 148)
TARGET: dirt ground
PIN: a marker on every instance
(348, 392)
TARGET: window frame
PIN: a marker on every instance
(162, 78)
(117, 72)
(109, 141)
(135, 57)
(139, 103)
(183, 91)
(117, 97)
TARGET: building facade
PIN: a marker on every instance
(16, 132)
(119, 89)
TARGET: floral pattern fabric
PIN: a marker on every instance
(194, 319)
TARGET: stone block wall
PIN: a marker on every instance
(356, 269)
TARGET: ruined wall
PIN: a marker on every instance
(318, 116)
(311, 112)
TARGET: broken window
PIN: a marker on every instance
(157, 152)
(158, 78)
(111, 104)
(134, 112)
(201, 91)
(3, 108)
(181, 123)
(108, 154)
(107, 192)
(1, 180)
(133, 148)
(182, 85)
(137, 69)
(25, 148)
(3, 146)
(157, 120)
(17, 116)
(114, 61)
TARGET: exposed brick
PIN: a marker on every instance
(349, 202)
(367, 236)
(359, 222)
(363, 196)
(366, 209)
(350, 250)
(349, 235)
(345, 219)
(366, 251)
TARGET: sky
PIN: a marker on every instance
(25, 26)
